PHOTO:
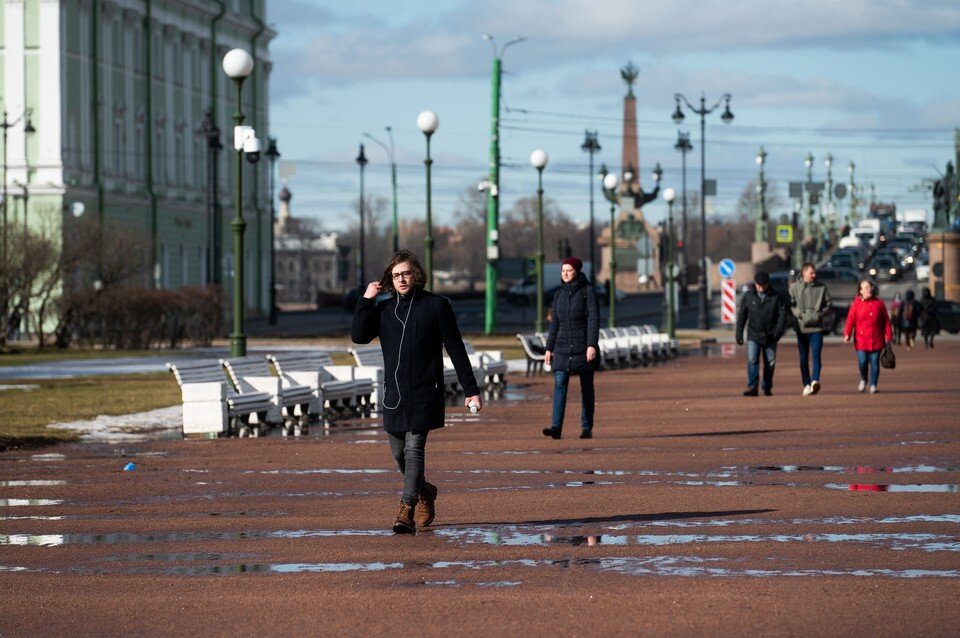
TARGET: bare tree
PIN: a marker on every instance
(30, 267)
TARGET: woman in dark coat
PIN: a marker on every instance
(572, 345)
(910, 318)
(414, 326)
(929, 321)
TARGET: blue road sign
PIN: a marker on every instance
(726, 268)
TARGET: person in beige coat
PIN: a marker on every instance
(811, 308)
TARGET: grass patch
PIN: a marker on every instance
(28, 412)
(18, 356)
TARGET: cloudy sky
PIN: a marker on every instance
(869, 81)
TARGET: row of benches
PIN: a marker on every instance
(243, 395)
(625, 347)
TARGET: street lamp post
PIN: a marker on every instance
(591, 146)
(361, 253)
(854, 200)
(808, 232)
(493, 202)
(428, 122)
(27, 130)
(273, 155)
(703, 317)
(391, 155)
(684, 146)
(539, 160)
(215, 236)
(238, 65)
(610, 183)
(669, 195)
(761, 233)
(831, 217)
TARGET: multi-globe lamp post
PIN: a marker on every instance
(808, 231)
(610, 184)
(761, 232)
(238, 65)
(703, 317)
(669, 195)
(428, 122)
(362, 162)
(539, 160)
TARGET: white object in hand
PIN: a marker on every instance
(473, 407)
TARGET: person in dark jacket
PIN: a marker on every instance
(929, 321)
(414, 326)
(764, 315)
(572, 345)
(910, 318)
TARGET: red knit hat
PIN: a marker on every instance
(573, 261)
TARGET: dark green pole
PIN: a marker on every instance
(493, 213)
(428, 239)
(612, 321)
(671, 272)
(539, 322)
(393, 181)
(808, 230)
(238, 340)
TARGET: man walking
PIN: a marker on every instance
(414, 327)
(810, 304)
(764, 315)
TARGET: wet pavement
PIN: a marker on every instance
(693, 511)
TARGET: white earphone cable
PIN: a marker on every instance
(403, 332)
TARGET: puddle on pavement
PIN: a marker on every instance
(853, 469)
(54, 540)
(898, 541)
(324, 471)
(864, 487)
(29, 502)
(32, 483)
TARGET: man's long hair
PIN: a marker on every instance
(408, 256)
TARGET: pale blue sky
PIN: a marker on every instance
(881, 75)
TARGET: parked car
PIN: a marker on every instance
(948, 312)
(841, 259)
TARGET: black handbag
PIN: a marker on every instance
(887, 358)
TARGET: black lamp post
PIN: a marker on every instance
(214, 218)
(273, 155)
(591, 146)
(361, 254)
(684, 146)
(703, 317)
(610, 183)
(428, 122)
(539, 161)
(27, 130)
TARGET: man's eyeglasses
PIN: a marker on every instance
(406, 274)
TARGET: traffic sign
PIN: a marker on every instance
(728, 301)
(726, 268)
(784, 234)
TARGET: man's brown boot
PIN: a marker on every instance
(425, 510)
(404, 524)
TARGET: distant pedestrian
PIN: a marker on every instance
(414, 327)
(764, 315)
(811, 306)
(895, 306)
(929, 321)
(868, 326)
(910, 318)
(572, 345)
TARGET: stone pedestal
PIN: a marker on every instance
(945, 248)
(759, 252)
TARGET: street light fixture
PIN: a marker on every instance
(539, 160)
(610, 183)
(808, 229)
(684, 146)
(391, 155)
(831, 217)
(591, 146)
(671, 275)
(238, 65)
(27, 130)
(493, 201)
(428, 122)
(361, 253)
(214, 219)
(703, 317)
(761, 232)
(273, 155)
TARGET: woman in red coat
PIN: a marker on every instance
(868, 324)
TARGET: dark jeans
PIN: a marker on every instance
(754, 349)
(871, 359)
(408, 449)
(807, 342)
(561, 379)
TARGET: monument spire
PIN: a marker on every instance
(630, 160)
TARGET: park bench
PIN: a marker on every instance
(639, 352)
(613, 350)
(296, 404)
(211, 406)
(534, 352)
(336, 388)
(372, 357)
(492, 364)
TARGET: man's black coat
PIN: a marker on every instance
(413, 369)
(765, 320)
